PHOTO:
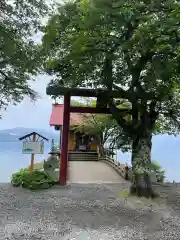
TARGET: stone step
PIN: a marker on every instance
(80, 156)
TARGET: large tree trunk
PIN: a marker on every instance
(141, 164)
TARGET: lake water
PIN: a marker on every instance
(166, 150)
(12, 159)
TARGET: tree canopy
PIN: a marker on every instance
(131, 47)
(160, 173)
(19, 21)
(100, 125)
(103, 126)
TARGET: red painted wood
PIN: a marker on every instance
(57, 116)
(64, 143)
(89, 110)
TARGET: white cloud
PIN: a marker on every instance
(28, 114)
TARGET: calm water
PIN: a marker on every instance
(166, 150)
(12, 159)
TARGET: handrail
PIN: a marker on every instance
(120, 168)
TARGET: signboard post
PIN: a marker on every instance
(32, 146)
(32, 155)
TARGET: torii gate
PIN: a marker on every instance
(101, 107)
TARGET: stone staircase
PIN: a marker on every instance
(83, 156)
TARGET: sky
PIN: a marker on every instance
(28, 114)
(37, 115)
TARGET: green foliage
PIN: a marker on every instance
(19, 55)
(131, 48)
(160, 173)
(100, 125)
(24, 16)
(103, 125)
(155, 167)
(32, 180)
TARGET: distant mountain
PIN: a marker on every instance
(13, 135)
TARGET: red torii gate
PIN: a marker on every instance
(101, 107)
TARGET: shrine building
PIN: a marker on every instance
(77, 142)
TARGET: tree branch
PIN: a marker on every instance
(118, 117)
(2, 73)
(128, 35)
(136, 70)
(153, 114)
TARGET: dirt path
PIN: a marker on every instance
(86, 211)
(92, 172)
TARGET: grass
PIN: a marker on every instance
(124, 193)
(137, 202)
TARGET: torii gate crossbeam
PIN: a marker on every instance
(66, 118)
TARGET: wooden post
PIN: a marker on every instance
(64, 142)
(32, 155)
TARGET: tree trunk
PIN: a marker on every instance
(141, 164)
(101, 145)
(101, 149)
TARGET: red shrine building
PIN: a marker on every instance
(77, 142)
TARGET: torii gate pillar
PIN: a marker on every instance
(64, 143)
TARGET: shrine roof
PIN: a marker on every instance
(56, 118)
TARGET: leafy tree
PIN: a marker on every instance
(19, 57)
(132, 48)
(103, 125)
(160, 173)
(99, 125)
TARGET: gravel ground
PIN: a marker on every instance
(87, 211)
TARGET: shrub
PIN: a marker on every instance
(160, 173)
(155, 166)
(32, 180)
